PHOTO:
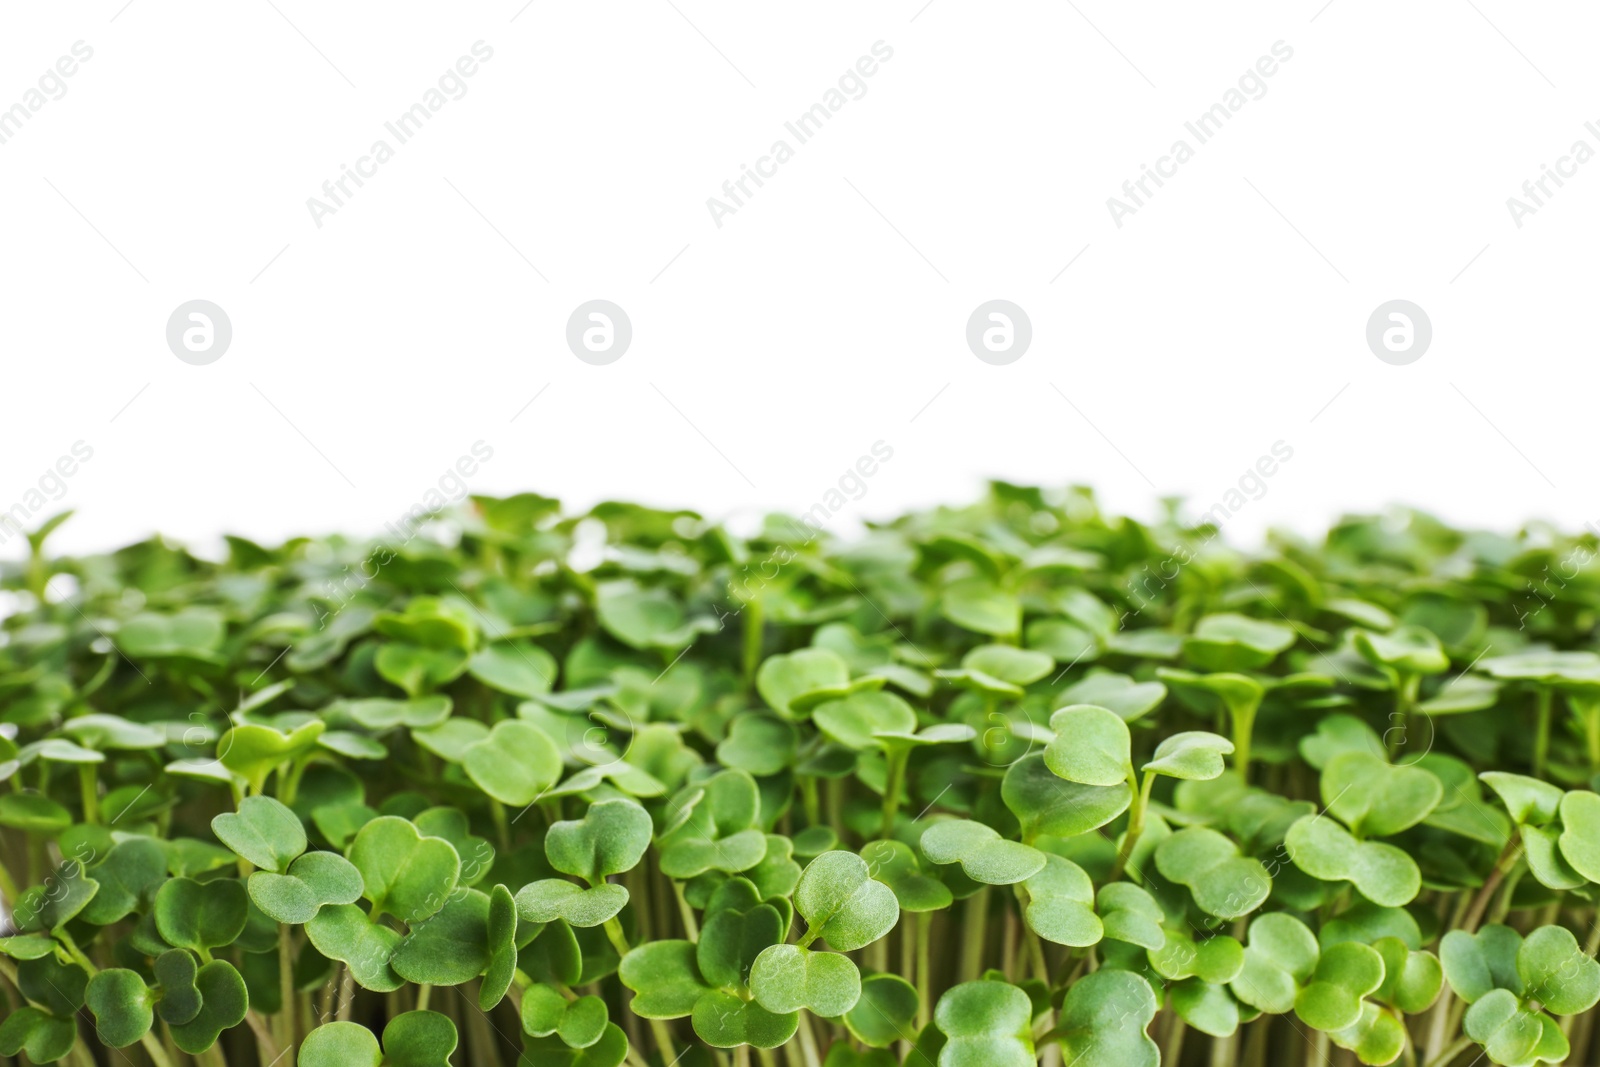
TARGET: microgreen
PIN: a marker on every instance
(973, 790)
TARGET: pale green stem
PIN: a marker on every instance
(1141, 802)
(894, 785)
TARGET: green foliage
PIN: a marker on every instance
(973, 790)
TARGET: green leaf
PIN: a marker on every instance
(786, 978)
(1408, 650)
(449, 947)
(313, 880)
(858, 719)
(403, 873)
(841, 902)
(1118, 692)
(66, 892)
(1530, 801)
(33, 813)
(1208, 1008)
(792, 683)
(177, 973)
(1016, 666)
(223, 1003)
(608, 1050)
(44, 1038)
(520, 668)
(515, 764)
(1046, 804)
(1475, 964)
(738, 926)
(983, 854)
(1092, 746)
(1376, 799)
(201, 915)
(1509, 1032)
(1557, 973)
(885, 1013)
(550, 899)
(121, 1004)
(1216, 960)
(758, 743)
(501, 931)
(254, 752)
(724, 1020)
(1103, 1021)
(1580, 833)
(664, 978)
(1336, 734)
(989, 1024)
(381, 713)
(1280, 955)
(609, 839)
(1411, 979)
(412, 1039)
(1231, 642)
(717, 831)
(1377, 1037)
(101, 732)
(344, 933)
(193, 633)
(1060, 905)
(647, 618)
(1194, 755)
(1223, 882)
(1130, 914)
(340, 1044)
(1324, 849)
(977, 604)
(895, 864)
(1344, 974)
(128, 878)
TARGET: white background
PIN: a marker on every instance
(829, 312)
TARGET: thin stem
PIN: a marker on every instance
(1541, 735)
(919, 930)
(809, 800)
(266, 1044)
(1480, 902)
(502, 829)
(752, 639)
(158, 1055)
(89, 790)
(893, 786)
(1451, 1051)
(808, 1041)
(284, 1022)
(1503, 901)
(975, 936)
(347, 995)
(1136, 818)
(691, 928)
(1244, 724)
(1172, 1054)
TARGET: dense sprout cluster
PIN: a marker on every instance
(1011, 783)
